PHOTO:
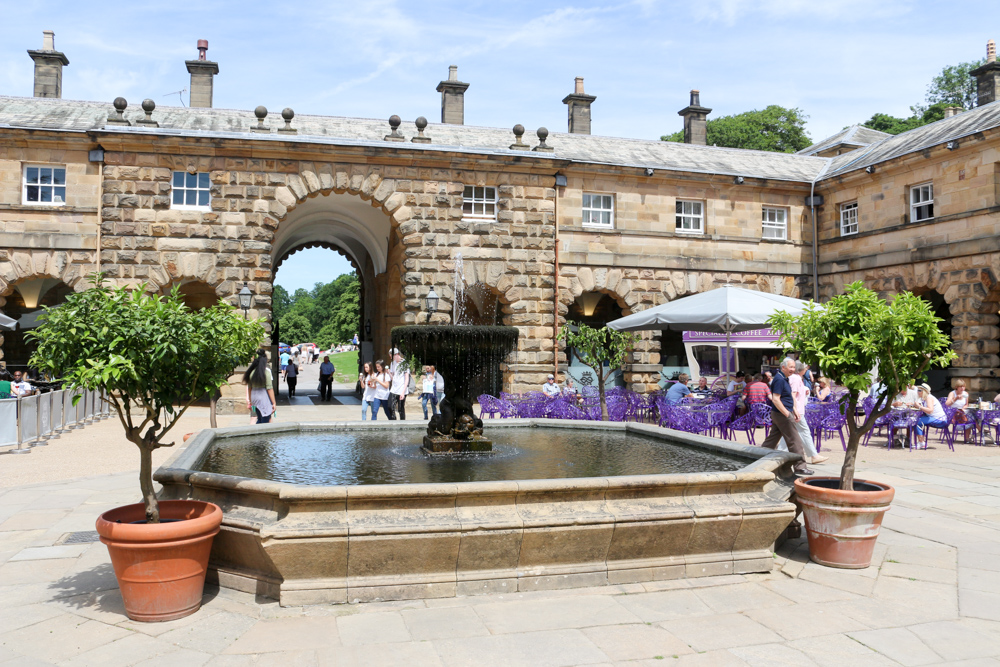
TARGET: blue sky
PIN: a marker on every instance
(840, 61)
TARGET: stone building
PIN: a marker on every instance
(548, 225)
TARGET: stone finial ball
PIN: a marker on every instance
(287, 113)
(120, 103)
(518, 130)
(420, 122)
(394, 121)
(148, 105)
(260, 112)
(542, 133)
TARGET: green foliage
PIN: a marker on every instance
(857, 332)
(954, 86)
(295, 328)
(893, 125)
(145, 350)
(597, 347)
(775, 129)
(281, 303)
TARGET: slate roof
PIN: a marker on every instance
(75, 116)
(855, 135)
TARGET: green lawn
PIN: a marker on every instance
(346, 364)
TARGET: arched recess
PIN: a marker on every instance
(25, 299)
(196, 294)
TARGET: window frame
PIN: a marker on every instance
(599, 210)
(51, 186)
(767, 224)
(678, 215)
(915, 206)
(197, 189)
(847, 207)
(483, 201)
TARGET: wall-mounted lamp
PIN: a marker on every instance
(650, 171)
(432, 303)
(368, 329)
(738, 180)
(951, 145)
(246, 299)
(870, 169)
(589, 301)
(561, 180)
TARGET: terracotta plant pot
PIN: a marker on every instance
(842, 526)
(161, 568)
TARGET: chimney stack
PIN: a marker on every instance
(48, 67)
(988, 77)
(202, 73)
(952, 111)
(452, 98)
(579, 109)
(695, 121)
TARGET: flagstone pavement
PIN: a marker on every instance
(931, 596)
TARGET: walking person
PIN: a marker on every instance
(783, 416)
(428, 391)
(800, 395)
(438, 384)
(383, 386)
(400, 372)
(367, 380)
(260, 390)
(326, 371)
(291, 376)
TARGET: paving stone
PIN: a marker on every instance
(741, 597)
(924, 554)
(213, 634)
(61, 637)
(803, 591)
(287, 634)
(899, 644)
(185, 657)
(805, 620)
(377, 628)
(953, 640)
(916, 593)
(940, 575)
(443, 623)
(770, 655)
(839, 650)
(635, 642)
(300, 658)
(421, 654)
(157, 629)
(554, 614)
(126, 651)
(664, 605)
(12, 618)
(721, 631)
(34, 571)
(979, 580)
(979, 604)
(32, 520)
(834, 578)
(553, 648)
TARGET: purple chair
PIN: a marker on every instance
(833, 422)
(747, 424)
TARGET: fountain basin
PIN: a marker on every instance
(305, 544)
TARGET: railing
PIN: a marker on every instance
(30, 421)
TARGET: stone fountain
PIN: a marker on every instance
(459, 353)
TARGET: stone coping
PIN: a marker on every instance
(763, 466)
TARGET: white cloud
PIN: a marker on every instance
(731, 11)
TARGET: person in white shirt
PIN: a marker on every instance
(550, 388)
(438, 383)
(428, 391)
(383, 385)
(367, 380)
(907, 398)
(20, 387)
(738, 385)
(934, 414)
(400, 383)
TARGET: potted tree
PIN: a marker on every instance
(604, 350)
(855, 338)
(154, 355)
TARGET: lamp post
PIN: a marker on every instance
(246, 300)
(432, 304)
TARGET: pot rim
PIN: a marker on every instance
(803, 488)
(206, 521)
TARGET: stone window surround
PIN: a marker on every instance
(51, 186)
(768, 224)
(847, 226)
(197, 189)
(484, 201)
(701, 228)
(599, 225)
(914, 193)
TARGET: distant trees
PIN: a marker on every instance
(774, 129)
(326, 315)
(893, 125)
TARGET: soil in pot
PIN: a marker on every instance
(842, 526)
(161, 567)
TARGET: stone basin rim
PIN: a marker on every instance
(762, 467)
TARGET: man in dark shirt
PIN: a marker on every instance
(326, 371)
(783, 417)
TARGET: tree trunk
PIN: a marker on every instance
(604, 401)
(146, 484)
(850, 456)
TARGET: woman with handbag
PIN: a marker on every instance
(367, 381)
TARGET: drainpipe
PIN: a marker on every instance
(815, 242)
(555, 290)
(97, 155)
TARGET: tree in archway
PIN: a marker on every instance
(604, 350)
(295, 328)
(281, 303)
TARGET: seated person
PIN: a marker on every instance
(678, 390)
(738, 385)
(768, 377)
(757, 391)
(934, 414)
(958, 398)
(906, 398)
(550, 388)
(702, 387)
(824, 392)
(21, 387)
(569, 388)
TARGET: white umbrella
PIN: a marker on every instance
(7, 323)
(727, 309)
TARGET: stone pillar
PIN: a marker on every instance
(202, 77)
(579, 109)
(452, 98)
(988, 77)
(695, 121)
(48, 67)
